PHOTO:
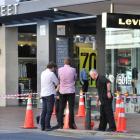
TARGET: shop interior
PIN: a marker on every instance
(81, 37)
(27, 60)
(122, 62)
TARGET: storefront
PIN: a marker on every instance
(30, 40)
(123, 54)
(52, 31)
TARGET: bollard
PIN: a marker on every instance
(88, 113)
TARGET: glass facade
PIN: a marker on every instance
(123, 59)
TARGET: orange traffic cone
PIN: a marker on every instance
(81, 109)
(54, 111)
(118, 101)
(66, 119)
(29, 119)
(121, 123)
(91, 124)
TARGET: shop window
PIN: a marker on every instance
(27, 49)
(122, 57)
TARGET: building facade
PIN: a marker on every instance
(32, 33)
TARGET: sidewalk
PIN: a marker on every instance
(12, 118)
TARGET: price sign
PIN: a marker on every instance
(88, 60)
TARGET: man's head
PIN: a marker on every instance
(93, 74)
(67, 61)
(52, 66)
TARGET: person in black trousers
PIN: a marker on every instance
(105, 97)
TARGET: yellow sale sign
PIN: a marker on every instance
(87, 60)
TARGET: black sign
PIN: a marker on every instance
(61, 51)
(123, 21)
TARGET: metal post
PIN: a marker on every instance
(88, 113)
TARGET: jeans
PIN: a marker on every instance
(47, 109)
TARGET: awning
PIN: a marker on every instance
(41, 15)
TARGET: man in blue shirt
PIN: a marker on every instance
(84, 80)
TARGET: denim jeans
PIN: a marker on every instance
(47, 109)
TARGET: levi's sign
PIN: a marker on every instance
(7, 10)
(121, 21)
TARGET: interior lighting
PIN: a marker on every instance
(57, 38)
(78, 36)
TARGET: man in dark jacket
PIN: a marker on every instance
(105, 98)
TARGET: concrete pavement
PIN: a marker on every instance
(12, 118)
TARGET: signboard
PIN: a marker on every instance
(61, 30)
(7, 10)
(87, 60)
(42, 30)
(61, 51)
(113, 20)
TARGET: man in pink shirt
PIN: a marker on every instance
(67, 76)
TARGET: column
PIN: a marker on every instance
(8, 64)
(45, 47)
(100, 43)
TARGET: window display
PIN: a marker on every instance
(123, 63)
(27, 64)
(122, 56)
(84, 55)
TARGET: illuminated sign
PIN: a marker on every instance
(7, 10)
(113, 20)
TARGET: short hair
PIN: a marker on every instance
(51, 65)
(67, 61)
(93, 72)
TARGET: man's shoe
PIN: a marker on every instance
(111, 130)
(42, 129)
(73, 126)
(49, 128)
(57, 127)
(98, 129)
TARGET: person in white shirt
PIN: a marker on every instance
(49, 82)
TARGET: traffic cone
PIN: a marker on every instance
(118, 101)
(121, 121)
(54, 111)
(66, 119)
(81, 109)
(91, 124)
(29, 119)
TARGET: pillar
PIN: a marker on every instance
(100, 44)
(8, 64)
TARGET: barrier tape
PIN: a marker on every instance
(18, 96)
(25, 96)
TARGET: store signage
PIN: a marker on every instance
(113, 20)
(61, 50)
(61, 30)
(123, 79)
(7, 10)
(87, 57)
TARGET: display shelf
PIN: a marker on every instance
(27, 59)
